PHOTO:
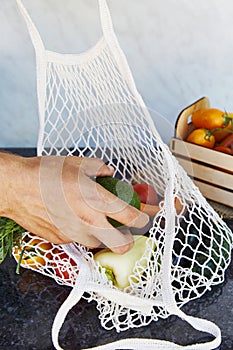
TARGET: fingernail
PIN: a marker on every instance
(111, 168)
(123, 249)
(143, 220)
(141, 230)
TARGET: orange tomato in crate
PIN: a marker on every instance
(212, 118)
(201, 137)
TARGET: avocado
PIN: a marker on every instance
(122, 190)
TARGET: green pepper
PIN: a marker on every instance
(201, 245)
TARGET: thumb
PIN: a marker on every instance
(117, 241)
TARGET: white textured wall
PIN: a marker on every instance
(178, 51)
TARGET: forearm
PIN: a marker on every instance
(10, 167)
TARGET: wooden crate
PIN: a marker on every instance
(211, 171)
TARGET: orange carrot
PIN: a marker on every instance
(149, 209)
(152, 210)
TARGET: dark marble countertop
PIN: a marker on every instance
(29, 302)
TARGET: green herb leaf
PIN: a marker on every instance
(10, 235)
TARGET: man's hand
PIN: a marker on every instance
(57, 198)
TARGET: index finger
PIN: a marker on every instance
(131, 217)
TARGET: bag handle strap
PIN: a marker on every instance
(106, 20)
(133, 343)
(34, 34)
(105, 17)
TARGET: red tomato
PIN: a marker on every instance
(146, 193)
(227, 141)
(60, 259)
(224, 149)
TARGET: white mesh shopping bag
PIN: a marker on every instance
(89, 106)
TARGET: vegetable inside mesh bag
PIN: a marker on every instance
(187, 251)
(89, 106)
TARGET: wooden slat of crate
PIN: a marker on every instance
(203, 172)
(201, 154)
(202, 165)
(215, 193)
(215, 179)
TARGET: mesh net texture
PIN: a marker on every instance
(194, 239)
(89, 107)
